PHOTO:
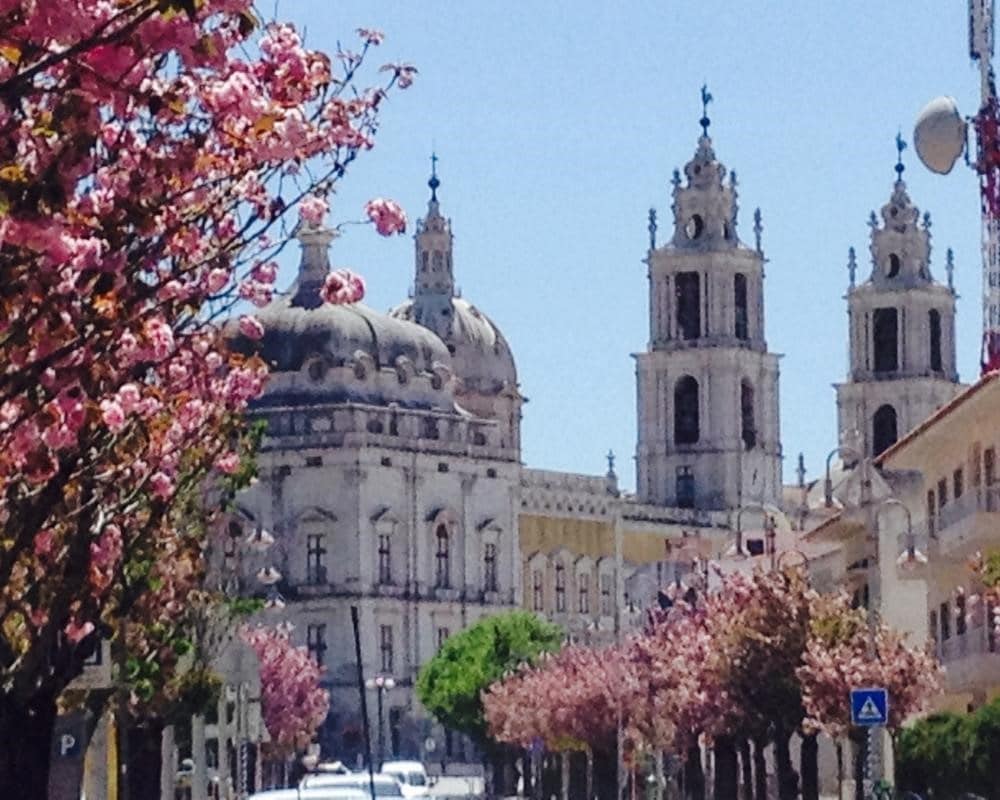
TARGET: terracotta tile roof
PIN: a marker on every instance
(938, 415)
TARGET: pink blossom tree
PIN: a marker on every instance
(293, 703)
(843, 652)
(150, 153)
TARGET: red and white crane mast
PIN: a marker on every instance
(987, 165)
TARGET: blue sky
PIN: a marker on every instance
(558, 126)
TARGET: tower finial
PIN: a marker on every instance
(900, 147)
(652, 229)
(801, 470)
(434, 182)
(949, 266)
(611, 462)
(706, 98)
(852, 264)
(758, 227)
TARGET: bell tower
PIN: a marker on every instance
(902, 329)
(707, 387)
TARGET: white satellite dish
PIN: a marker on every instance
(939, 135)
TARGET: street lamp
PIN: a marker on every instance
(381, 684)
(770, 532)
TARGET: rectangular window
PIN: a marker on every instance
(685, 487)
(442, 635)
(688, 297)
(537, 591)
(945, 618)
(316, 643)
(384, 558)
(958, 483)
(315, 559)
(583, 581)
(989, 465)
(442, 571)
(960, 611)
(560, 588)
(942, 494)
(886, 339)
(976, 461)
(931, 513)
(607, 607)
(490, 567)
(385, 647)
(932, 624)
(991, 630)
(740, 297)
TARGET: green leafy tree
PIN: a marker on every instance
(933, 755)
(451, 684)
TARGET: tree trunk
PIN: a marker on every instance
(747, 769)
(759, 769)
(860, 755)
(590, 774)
(809, 767)
(694, 775)
(25, 744)
(726, 769)
(145, 749)
(788, 779)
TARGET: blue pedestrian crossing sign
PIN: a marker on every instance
(869, 706)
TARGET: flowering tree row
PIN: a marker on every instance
(150, 152)
(761, 659)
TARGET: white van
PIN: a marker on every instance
(411, 776)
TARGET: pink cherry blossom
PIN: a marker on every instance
(229, 463)
(371, 36)
(387, 215)
(312, 209)
(251, 327)
(343, 286)
(113, 415)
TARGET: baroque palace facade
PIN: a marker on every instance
(390, 474)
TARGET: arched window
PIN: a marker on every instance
(885, 338)
(560, 587)
(687, 295)
(740, 299)
(686, 424)
(884, 429)
(934, 325)
(748, 425)
(442, 571)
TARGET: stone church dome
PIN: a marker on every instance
(480, 355)
(333, 353)
(481, 358)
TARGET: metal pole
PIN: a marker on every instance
(381, 727)
(874, 602)
(364, 700)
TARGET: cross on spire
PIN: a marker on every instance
(611, 461)
(706, 98)
(434, 182)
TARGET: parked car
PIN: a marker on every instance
(321, 793)
(385, 785)
(411, 775)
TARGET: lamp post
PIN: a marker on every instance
(910, 556)
(770, 532)
(381, 684)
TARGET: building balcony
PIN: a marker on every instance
(971, 660)
(968, 524)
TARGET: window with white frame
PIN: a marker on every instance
(315, 558)
(442, 571)
(583, 593)
(607, 592)
(384, 558)
(490, 567)
(316, 643)
(385, 647)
